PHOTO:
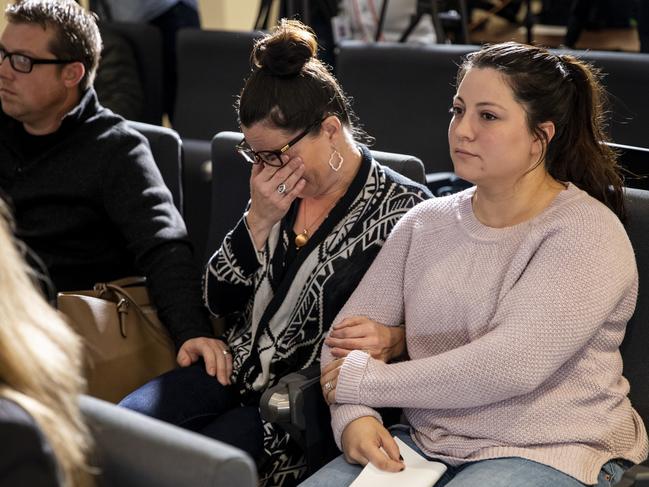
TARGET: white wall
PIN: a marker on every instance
(215, 14)
(228, 14)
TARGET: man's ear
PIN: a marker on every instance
(73, 74)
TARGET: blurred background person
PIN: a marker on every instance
(169, 16)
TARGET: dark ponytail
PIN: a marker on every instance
(289, 85)
(579, 154)
(567, 92)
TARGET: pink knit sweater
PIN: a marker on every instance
(512, 335)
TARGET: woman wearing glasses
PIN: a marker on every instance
(319, 211)
(516, 295)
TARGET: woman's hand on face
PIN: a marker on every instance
(360, 333)
(366, 440)
(272, 191)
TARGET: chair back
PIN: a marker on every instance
(636, 161)
(166, 148)
(133, 450)
(212, 68)
(406, 165)
(402, 94)
(231, 189)
(626, 77)
(634, 346)
(146, 42)
(197, 192)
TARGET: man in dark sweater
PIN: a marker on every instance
(87, 196)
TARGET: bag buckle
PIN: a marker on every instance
(122, 310)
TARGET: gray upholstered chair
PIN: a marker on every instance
(402, 93)
(132, 450)
(626, 77)
(634, 346)
(635, 160)
(212, 67)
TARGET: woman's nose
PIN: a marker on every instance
(462, 127)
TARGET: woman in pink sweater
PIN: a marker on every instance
(515, 296)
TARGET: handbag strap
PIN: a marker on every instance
(127, 282)
(126, 301)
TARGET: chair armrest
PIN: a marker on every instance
(132, 450)
(295, 402)
(636, 476)
(284, 402)
(445, 183)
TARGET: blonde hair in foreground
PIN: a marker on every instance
(40, 361)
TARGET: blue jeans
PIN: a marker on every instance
(189, 398)
(499, 472)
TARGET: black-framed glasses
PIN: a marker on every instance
(271, 157)
(25, 64)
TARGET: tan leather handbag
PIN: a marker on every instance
(126, 344)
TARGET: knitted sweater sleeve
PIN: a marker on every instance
(382, 292)
(577, 280)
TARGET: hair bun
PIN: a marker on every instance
(286, 50)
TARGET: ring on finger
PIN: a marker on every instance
(226, 352)
(328, 386)
(281, 189)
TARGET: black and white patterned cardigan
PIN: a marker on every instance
(278, 314)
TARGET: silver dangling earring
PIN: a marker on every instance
(338, 155)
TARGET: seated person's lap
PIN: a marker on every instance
(186, 397)
(191, 398)
(499, 472)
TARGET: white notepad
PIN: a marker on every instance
(419, 472)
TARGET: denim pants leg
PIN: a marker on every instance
(519, 472)
(190, 398)
(186, 397)
(499, 472)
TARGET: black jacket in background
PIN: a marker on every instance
(90, 202)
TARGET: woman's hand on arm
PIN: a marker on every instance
(382, 342)
(329, 379)
(267, 204)
(366, 440)
(215, 353)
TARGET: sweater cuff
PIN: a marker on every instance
(343, 414)
(245, 254)
(349, 379)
